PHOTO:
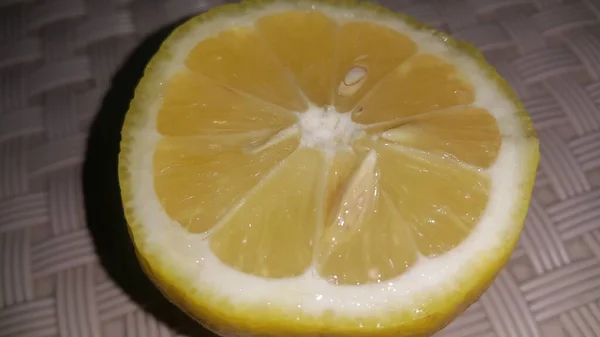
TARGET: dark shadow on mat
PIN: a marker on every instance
(104, 212)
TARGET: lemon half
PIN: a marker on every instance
(330, 168)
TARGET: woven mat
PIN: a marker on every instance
(67, 71)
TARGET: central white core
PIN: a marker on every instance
(326, 128)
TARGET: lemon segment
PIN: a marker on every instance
(305, 44)
(198, 190)
(240, 59)
(440, 200)
(365, 239)
(272, 233)
(340, 166)
(360, 53)
(466, 134)
(196, 105)
(422, 84)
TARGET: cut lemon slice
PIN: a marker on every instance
(303, 168)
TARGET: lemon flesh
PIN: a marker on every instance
(297, 168)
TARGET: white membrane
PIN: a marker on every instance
(192, 256)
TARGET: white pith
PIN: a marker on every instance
(327, 129)
(431, 277)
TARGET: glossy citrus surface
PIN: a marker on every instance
(350, 150)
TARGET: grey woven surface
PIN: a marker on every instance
(57, 61)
